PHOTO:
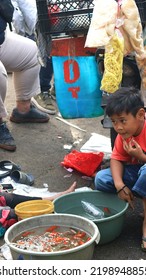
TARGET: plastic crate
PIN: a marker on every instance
(71, 16)
(142, 9)
(65, 16)
(43, 18)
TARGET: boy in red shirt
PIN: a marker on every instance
(127, 172)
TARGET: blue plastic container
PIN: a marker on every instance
(77, 86)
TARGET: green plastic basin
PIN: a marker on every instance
(110, 227)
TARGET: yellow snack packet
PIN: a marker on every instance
(113, 63)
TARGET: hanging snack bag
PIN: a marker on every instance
(113, 63)
(113, 58)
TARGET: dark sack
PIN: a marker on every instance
(6, 10)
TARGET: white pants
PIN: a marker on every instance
(19, 55)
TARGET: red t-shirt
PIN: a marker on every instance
(120, 154)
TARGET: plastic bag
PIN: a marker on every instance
(102, 24)
(92, 210)
(113, 63)
(86, 163)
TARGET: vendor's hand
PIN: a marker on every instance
(133, 149)
(126, 194)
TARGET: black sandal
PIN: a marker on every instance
(7, 167)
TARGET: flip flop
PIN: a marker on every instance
(142, 246)
(7, 167)
(22, 178)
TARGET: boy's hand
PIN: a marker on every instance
(127, 195)
(133, 149)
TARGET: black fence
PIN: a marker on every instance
(65, 16)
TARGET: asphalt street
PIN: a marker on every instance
(40, 150)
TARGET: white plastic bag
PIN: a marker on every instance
(102, 24)
(93, 211)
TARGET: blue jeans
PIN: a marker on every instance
(46, 74)
(134, 177)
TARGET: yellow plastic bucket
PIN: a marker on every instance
(32, 208)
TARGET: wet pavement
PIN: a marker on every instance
(40, 150)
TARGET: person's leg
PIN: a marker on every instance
(11, 199)
(69, 190)
(8, 201)
(3, 89)
(143, 245)
(46, 74)
(43, 101)
(19, 55)
(104, 180)
(6, 139)
(139, 186)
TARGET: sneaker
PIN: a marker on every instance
(52, 93)
(43, 102)
(33, 116)
(6, 140)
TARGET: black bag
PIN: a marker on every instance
(6, 11)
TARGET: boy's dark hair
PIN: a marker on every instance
(126, 100)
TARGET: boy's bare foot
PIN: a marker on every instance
(69, 190)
